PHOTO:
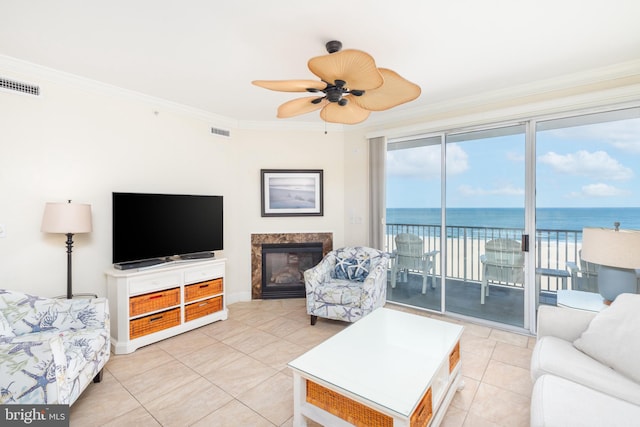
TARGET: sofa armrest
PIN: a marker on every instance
(563, 322)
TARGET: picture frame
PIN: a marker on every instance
(291, 192)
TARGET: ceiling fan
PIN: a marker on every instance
(350, 87)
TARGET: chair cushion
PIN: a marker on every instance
(613, 336)
(558, 402)
(339, 292)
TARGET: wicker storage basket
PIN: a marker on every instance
(454, 357)
(202, 289)
(202, 308)
(348, 409)
(423, 412)
(153, 301)
(153, 323)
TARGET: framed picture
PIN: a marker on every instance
(291, 192)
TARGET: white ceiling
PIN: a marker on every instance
(205, 53)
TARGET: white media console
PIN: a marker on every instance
(152, 304)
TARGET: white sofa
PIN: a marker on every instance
(586, 366)
(50, 349)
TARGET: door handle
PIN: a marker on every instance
(525, 243)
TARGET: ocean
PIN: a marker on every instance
(574, 219)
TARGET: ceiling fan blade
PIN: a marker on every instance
(298, 106)
(349, 114)
(396, 90)
(355, 67)
(290, 85)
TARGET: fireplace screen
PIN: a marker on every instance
(283, 266)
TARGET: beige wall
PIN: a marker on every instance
(81, 141)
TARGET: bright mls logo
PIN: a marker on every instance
(35, 415)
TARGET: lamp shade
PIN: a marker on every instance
(611, 248)
(66, 218)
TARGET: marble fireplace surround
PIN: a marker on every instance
(256, 252)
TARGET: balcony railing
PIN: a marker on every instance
(464, 245)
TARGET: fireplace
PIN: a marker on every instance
(295, 239)
(283, 266)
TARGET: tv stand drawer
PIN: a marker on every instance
(153, 301)
(154, 323)
(202, 308)
(202, 290)
(154, 282)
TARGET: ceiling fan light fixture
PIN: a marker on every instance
(345, 76)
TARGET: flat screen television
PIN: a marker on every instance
(152, 228)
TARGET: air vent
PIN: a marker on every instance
(15, 86)
(221, 132)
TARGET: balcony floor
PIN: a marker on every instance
(503, 305)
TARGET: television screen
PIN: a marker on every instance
(147, 226)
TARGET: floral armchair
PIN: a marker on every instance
(50, 349)
(347, 284)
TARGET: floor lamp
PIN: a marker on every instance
(67, 218)
(617, 252)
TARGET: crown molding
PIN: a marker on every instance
(615, 85)
(392, 120)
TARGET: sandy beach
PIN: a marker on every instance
(463, 258)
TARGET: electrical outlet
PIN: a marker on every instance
(3, 231)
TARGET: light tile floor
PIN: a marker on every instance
(234, 373)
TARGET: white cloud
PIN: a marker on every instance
(599, 190)
(622, 134)
(583, 163)
(424, 162)
(507, 190)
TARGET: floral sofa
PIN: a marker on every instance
(50, 349)
(347, 284)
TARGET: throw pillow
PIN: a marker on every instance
(341, 269)
(353, 269)
(613, 336)
(359, 269)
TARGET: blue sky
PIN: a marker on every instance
(594, 165)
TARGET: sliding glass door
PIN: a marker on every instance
(498, 212)
(485, 197)
(413, 188)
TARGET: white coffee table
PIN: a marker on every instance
(388, 369)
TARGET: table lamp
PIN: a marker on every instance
(617, 252)
(67, 218)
